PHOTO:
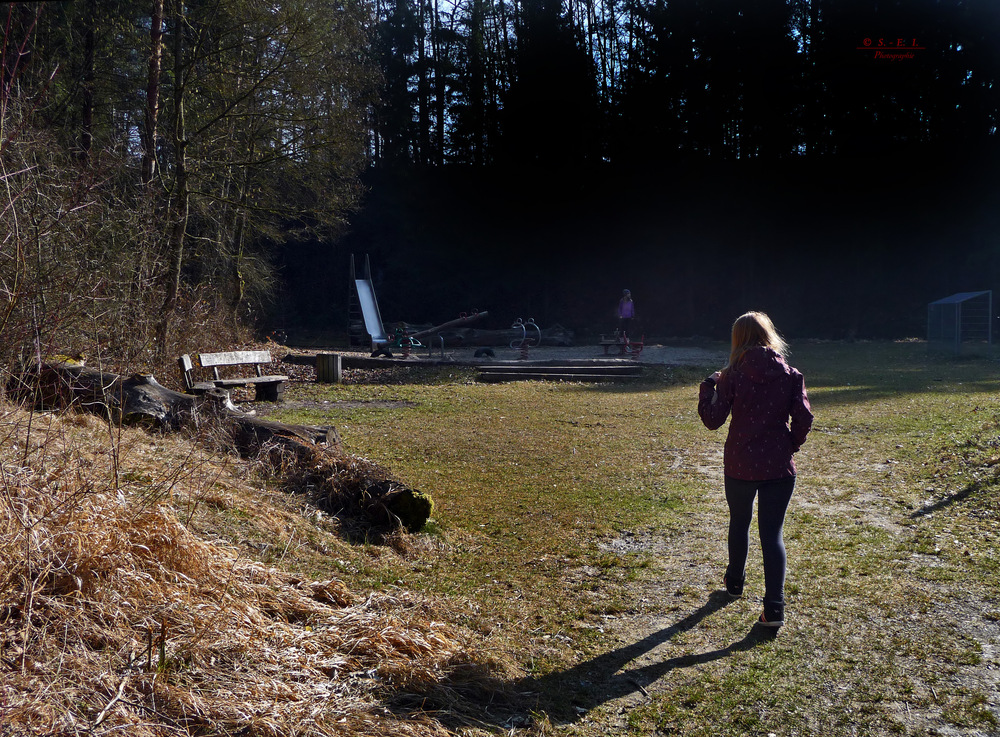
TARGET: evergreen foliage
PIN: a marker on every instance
(612, 80)
(199, 146)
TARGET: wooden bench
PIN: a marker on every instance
(269, 388)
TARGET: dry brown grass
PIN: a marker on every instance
(115, 617)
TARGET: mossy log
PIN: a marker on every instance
(298, 453)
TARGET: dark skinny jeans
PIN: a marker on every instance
(772, 502)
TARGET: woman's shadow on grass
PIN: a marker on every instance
(568, 695)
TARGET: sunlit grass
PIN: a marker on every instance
(893, 538)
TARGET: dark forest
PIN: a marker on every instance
(829, 162)
(180, 168)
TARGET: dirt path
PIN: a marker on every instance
(678, 622)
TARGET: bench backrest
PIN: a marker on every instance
(214, 360)
(233, 358)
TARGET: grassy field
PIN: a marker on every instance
(569, 582)
(584, 525)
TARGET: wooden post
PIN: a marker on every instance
(328, 370)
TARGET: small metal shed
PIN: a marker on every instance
(961, 324)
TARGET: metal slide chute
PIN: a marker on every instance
(363, 294)
(366, 320)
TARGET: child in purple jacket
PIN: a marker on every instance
(761, 393)
(626, 313)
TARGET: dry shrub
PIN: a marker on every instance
(113, 615)
(83, 261)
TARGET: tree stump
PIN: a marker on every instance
(328, 368)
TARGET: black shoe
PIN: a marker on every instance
(733, 587)
(771, 617)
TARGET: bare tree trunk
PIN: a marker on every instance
(152, 95)
(423, 89)
(181, 194)
(87, 113)
(439, 82)
(239, 237)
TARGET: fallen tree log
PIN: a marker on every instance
(305, 457)
(141, 400)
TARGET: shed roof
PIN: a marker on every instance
(959, 297)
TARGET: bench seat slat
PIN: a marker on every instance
(240, 382)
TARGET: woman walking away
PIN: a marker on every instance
(762, 393)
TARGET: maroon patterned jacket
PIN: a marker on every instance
(762, 392)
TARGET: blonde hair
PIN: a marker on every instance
(753, 329)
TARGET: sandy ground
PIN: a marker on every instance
(651, 354)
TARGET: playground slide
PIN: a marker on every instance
(369, 308)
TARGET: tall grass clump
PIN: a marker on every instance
(113, 614)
